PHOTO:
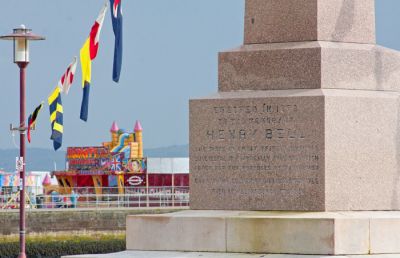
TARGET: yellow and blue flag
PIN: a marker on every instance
(56, 118)
(87, 54)
(86, 65)
(116, 17)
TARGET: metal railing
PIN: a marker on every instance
(88, 197)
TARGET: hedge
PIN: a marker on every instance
(57, 246)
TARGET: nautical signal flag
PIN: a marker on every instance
(95, 32)
(86, 65)
(87, 54)
(68, 77)
(116, 17)
(32, 120)
(56, 118)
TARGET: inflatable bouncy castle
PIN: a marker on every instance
(114, 165)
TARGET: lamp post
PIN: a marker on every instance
(21, 37)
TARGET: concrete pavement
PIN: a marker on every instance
(150, 254)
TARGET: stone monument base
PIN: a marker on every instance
(307, 233)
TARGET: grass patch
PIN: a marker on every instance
(57, 245)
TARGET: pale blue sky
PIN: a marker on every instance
(170, 56)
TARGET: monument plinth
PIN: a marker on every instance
(300, 126)
(300, 143)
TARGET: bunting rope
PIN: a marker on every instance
(87, 54)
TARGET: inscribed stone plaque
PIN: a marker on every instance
(257, 153)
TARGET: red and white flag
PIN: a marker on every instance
(68, 77)
(95, 32)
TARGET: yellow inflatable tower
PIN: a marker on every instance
(114, 135)
(121, 140)
(139, 138)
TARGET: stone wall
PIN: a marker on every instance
(44, 221)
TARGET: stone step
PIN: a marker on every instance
(308, 233)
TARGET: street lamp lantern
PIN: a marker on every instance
(21, 37)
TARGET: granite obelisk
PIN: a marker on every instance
(305, 122)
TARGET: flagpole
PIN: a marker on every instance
(22, 222)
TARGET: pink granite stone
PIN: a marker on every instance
(257, 151)
(268, 21)
(310, 125)
(309, 65)
(297, 150)
(271, 66)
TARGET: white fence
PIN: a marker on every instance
(109, 198)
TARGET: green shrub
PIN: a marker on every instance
(56, 246)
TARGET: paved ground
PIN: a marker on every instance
(140, 254)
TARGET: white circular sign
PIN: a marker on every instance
(135, 180)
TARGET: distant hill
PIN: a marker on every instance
(179, 151)
(36, 159)
(46, 159)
